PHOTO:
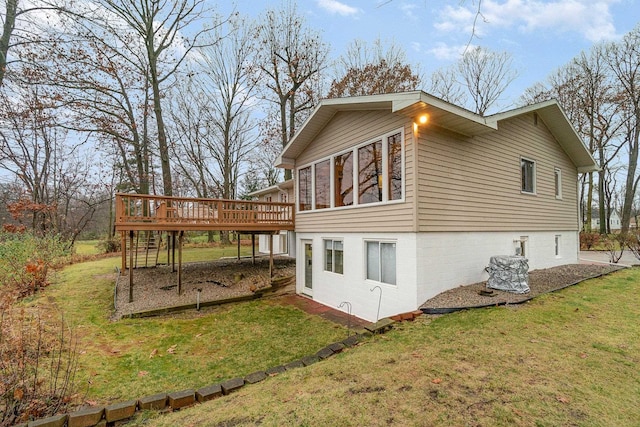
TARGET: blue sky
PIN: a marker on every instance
(541, 35)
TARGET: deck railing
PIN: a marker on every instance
(152, 212)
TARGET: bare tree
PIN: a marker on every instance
(486, 75)
(482, 73)
(624, 60)
(51, 171)
(373, 69)
(21, 26)
(160, 25)
(444, 85)
(291, 57)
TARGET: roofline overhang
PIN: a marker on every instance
(450, 117)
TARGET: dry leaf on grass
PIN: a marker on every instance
(153, 353)
(436, 380)
(143, 373)
(563, 399)
(172, 349)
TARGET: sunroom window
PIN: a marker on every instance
(304, 189)
(323, 184)
(372, 172)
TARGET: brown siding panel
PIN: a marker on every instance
(474, 184)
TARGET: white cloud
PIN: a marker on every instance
(444, 52)
(590, 18)
(336, 7)
(409, 11)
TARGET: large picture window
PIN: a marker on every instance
(381, 262)
(333, 256)
(395, 166)
(304, 189)
(343, 170)
(323, 184)
(372, 172)
(528, 169)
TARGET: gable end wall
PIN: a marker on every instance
(474, 184)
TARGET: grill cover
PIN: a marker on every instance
(509, 273)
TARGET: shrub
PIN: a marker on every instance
(614, 245)
(37, 366)
(109, 245)
(633, 243)
(588, 240)
(25, 260)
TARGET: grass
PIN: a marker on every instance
(567, 358)
(129, 359)
(86, 247)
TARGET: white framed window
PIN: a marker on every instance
(333, 256)
(304, 189)
(557, 173)
(369, 173)
(528, 175)
(521, 245)
(381, 261)
(557, 243)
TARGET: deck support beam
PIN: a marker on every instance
(180, 240)
(271, 256)
(253, 248)
(123, 249)
(131, 266)
(238, 238)
(173, 251)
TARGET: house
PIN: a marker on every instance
(614, 221)
(402, 196)
(283, 242)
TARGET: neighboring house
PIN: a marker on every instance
(284, 241)
(406, 196)
(614, 221)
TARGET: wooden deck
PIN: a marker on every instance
(138, 212)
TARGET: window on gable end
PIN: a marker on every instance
(528, 175)
(557, 172)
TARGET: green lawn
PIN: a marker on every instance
(570, 358)
(129, 359)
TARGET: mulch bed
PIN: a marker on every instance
(156, 287)
(540, 282)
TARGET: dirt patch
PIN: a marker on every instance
(540, 282)
(157, 287)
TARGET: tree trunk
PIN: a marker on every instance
(589, 207)
(7, 30)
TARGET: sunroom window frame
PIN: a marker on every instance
(356, 167)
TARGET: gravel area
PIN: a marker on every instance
(157, 287)
(540, 282)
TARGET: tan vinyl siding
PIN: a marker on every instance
(345, 131)
(474, 184)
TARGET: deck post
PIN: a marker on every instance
(238, 237)
(180, 238)
(253, 248)
(123, 249)
(271, 255)
(131, 266)
(173, 251)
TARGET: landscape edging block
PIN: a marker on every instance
(120, 411)
(54, 421)
(86, 417)
(180, 399)
(232, 385)
(156, 401)
(209, 392)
